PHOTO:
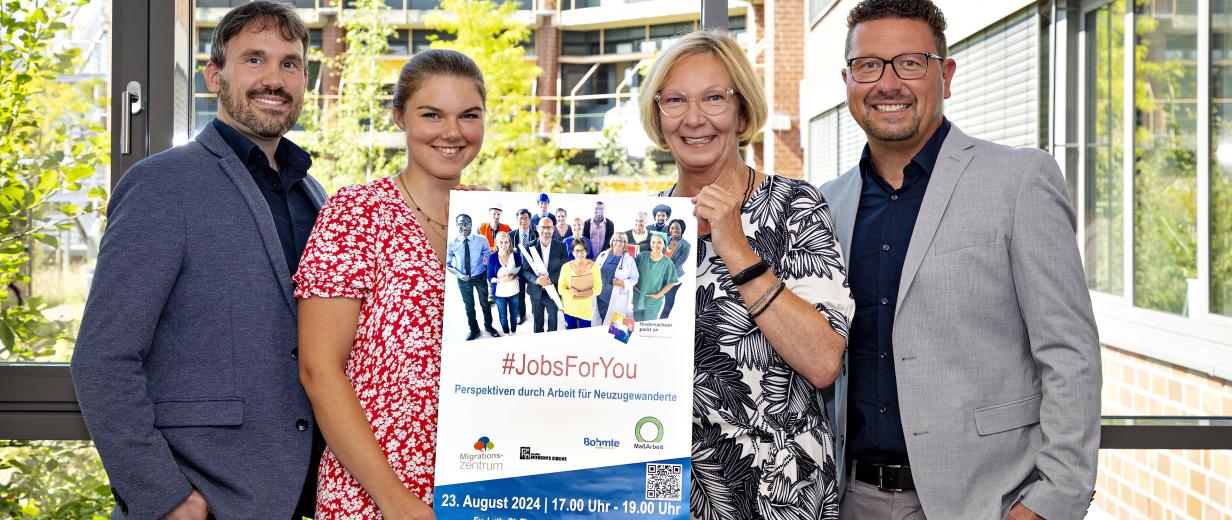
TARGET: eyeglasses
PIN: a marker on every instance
(909, 65)
(674, 103)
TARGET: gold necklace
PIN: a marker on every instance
(402, 183)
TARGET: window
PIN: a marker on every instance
(816, 7)
(529, 45)
(316, 39)
(421, 39)
(663, 34)
(624, 40)
(578, 4)
(205, 39)
(1221, 159)
(587, 115)
(823, 146)
(737, 26)
(1103, 227)
(400, 42)
(68, 101)
(1165, 172)
(579, 43)
(424, 5)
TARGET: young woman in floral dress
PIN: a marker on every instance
(371, 289)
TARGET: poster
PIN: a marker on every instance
(586, 422)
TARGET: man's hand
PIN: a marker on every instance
(192, 508)
(616, 282)
(543, 281)
(1021, 512)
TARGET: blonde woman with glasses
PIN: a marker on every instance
(772, 304)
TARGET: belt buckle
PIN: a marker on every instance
(881, 478)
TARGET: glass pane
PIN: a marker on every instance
(57, 84)
(579, 43)
(1105, 149)
(399, 42)
(52, 479)
(623, 40)
(1221, 158)
(424, 5)
(1163, 484)
(1165, 185)
(420, 38)
(205, 39)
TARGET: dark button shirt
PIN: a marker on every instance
(884, 223)
(286, 191)
(294, 214)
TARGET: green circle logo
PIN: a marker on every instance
(637, 430)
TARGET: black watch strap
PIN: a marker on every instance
(749, 273)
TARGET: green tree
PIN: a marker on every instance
(1165, 164)
(514, 155)
(348, 135)
(645, 175)
(48, 146)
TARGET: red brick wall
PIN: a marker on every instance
(333, 43)
(547, 50)
(788, 61)
(1151, 484)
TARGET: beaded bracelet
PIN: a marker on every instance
(749, 273)
(778, 290)
(766, 295)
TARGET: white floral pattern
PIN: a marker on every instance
(762, 445)
(368, 245)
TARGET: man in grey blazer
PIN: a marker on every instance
(185, 365)
(972, 388)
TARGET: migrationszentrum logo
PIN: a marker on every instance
(484, 444)
(621, 327)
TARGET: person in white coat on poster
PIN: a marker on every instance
(619, 273)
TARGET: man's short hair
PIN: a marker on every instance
(257, 16)
(523, 211)
(922, 10)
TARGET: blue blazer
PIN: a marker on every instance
(494, 265)
(186, 364)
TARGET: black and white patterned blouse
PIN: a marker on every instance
(762, 445)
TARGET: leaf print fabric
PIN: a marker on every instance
(762, 445)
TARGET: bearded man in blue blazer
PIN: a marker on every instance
(186, 363)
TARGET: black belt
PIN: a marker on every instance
(887, 477)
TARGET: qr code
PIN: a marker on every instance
(663, 481)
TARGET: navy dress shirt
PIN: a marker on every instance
(884, 223)
(286, 191)
(293, 213)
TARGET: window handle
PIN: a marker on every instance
(130, 105)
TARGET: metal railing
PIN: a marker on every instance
(37, 402)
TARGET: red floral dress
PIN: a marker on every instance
(368, 245)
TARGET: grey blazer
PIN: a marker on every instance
(185, 365)
(996, 352)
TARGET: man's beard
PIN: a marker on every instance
(243, 113)
(891, 134)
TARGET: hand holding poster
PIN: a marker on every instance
(588, 413)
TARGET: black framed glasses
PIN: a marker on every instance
(908, 65)
(714, 102)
